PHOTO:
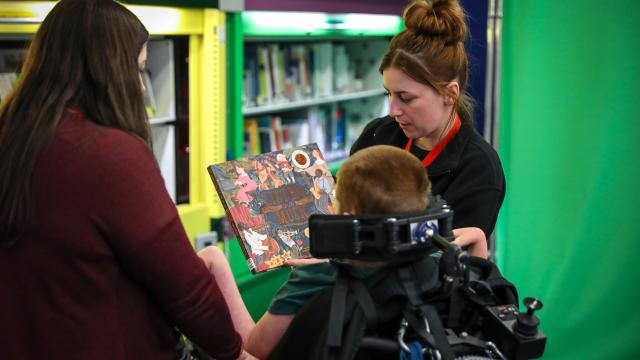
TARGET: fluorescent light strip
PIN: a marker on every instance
(273, 21)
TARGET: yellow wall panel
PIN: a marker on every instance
(213, 103)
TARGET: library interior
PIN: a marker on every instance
(233, 81)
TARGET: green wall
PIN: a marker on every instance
(569, 140)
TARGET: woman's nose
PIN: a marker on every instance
(394, 109)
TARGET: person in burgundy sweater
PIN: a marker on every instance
(94, 261)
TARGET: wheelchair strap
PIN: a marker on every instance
(342, 344)
(428, 312)
(366, 303)
(388, 283)
(336, 316)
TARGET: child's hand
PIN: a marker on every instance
(303, 262)
(473, 239)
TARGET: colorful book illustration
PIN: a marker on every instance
(268, 199)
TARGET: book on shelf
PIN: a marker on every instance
(148, 95)
(268, 199)
(324, 125)
(278, 73)
(11, 60)
(343, 72)
(252, 137)
(300, 72)
(250, 77)
(265, 94)
(7, 84)
(322, 69)
(266, 138)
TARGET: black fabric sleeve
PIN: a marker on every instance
(367, 137)
(476, 193)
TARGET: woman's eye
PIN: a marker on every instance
(403, 98)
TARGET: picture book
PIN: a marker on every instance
(268, 199)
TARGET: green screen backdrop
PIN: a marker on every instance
(569, 141)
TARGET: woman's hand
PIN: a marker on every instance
(473, 239)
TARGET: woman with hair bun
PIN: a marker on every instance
(430, 114)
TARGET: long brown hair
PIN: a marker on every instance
(431, 50)
(84, 54)
(365, 185)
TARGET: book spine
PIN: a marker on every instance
(264, 76)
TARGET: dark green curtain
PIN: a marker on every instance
(569, 142)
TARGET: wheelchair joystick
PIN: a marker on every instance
(517, 334)
(527, 324)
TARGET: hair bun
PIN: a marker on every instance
(438, 18)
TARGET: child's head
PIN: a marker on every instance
(382, 179)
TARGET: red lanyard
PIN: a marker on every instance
(440, 145)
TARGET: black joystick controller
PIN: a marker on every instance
(516, 334)
(527, 324)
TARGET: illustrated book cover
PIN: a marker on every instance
(268, 199)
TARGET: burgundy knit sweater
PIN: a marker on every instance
(105, 270)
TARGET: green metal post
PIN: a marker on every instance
(235, 46)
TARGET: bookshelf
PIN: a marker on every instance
(161, 109)
(316, 71)
(11, 55)
(297, 104)
(186, 57)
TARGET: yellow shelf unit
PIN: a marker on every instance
(207, 88)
